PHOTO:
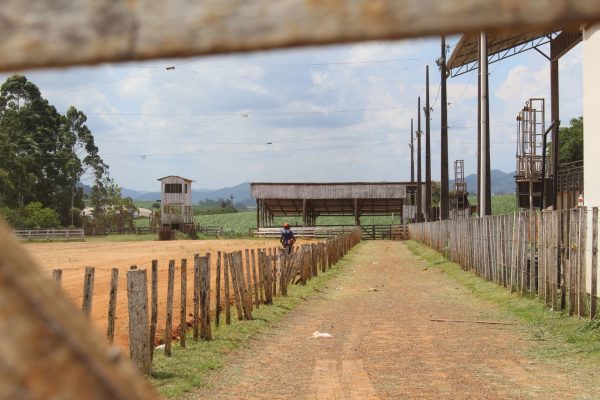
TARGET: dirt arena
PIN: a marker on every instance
(72, 258)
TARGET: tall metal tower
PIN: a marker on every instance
(459, 197)
(531, 125)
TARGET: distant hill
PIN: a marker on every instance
(241, 194)
(502, 182)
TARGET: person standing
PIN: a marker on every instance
(287, 238)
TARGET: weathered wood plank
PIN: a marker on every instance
(235, 284)
(57, 276)
(196, 315)
(92, 32)
(169, 314)
(139, 341)
(226, 283)
(112, 304)
(153, 305)
(88, 291)
(205, 329)
(255, 279)
(37, 318)
(183, 304)
(218, 291)
(594, 274)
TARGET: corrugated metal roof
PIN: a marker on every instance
(338, 190)
(467, 49)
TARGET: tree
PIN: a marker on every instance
(43, 154)
(571, 142)
(110, 208)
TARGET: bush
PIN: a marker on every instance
(40, 217)
(12, 217)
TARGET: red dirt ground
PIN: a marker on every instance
(72, 258)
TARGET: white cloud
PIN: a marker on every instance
(334, 111)
(524, 82)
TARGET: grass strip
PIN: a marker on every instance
(561, 338)
(189, 368)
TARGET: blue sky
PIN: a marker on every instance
(337, 113)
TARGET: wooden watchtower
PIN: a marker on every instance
(531, 171)
(176, 209)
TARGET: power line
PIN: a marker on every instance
(247, 114)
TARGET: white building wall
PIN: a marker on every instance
(591, 130)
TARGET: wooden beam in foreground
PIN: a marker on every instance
(55, 33)
(49, 349)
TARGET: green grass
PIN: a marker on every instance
(121, 238)
(564, 339)
(189, 368)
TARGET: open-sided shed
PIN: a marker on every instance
(311, 200)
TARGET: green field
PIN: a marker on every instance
(501, 204)
(241, 223)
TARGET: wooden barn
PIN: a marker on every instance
(176, 209)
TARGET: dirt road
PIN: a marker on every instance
(385, 346)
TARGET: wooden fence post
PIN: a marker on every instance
(169, 315)
(283, 269)
(153, 305)
(248, 275)
(88, 291)
(196, 296)
(57, 276)
(137, 298)
(581, 261)
(594, 275)
(205, 331)
(112, 304)
(226, 283)
(218, 291)
(268, 275)
(254, 278)
(246, 301)
(237, 296)
(261, 275)
(183, 305)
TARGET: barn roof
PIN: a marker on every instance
(339, 198)
(467, 49)
(505, 44)
(175, 176)
(338, 190)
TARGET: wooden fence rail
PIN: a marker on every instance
(537, 253)
(49, 234)
(246, 279)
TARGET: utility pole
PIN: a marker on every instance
(444, 198)
(412, 153)
(419, 195)
(427, 110)
(484, 193)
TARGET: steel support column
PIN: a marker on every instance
(419, 216)
(484, 193)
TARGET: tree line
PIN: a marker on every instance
(44, 156)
